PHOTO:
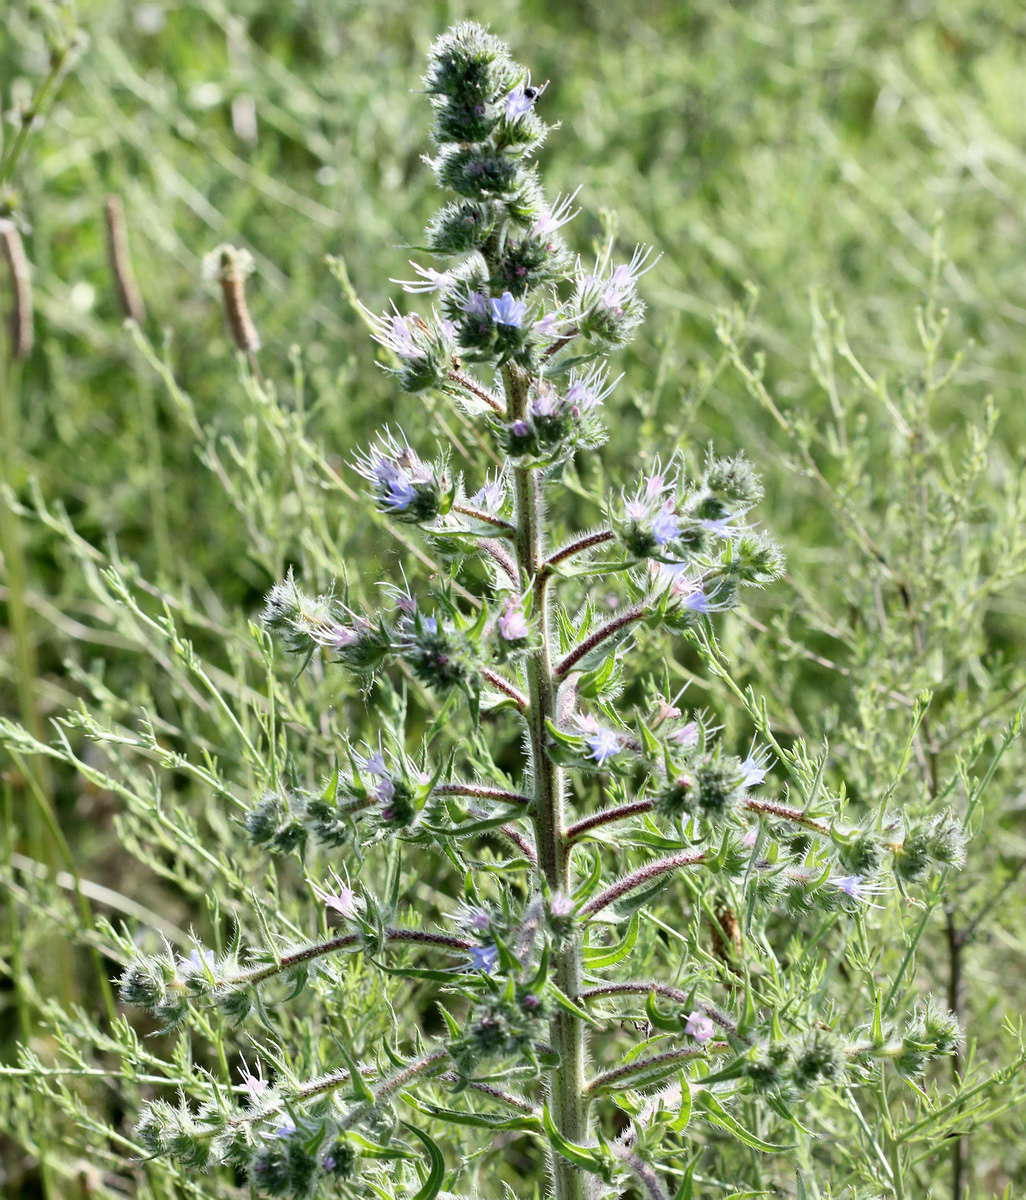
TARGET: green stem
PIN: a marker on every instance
(568, 1102)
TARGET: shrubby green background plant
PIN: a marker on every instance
(859, 168)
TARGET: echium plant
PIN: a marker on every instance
(610, 806)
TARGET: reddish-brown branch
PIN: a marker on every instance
(638, 878)
(606, 817)
(598, 637)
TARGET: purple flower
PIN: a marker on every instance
(620, 285)
(546, 326)
(343, 899)
(394, 471)
(397, 333)
(520, 429)
(545, 403)
(699, 1026)
(383, 791)
(507, 311)
(851, 885)
(201, 959)
(554, 218)
(431, 624)
(375, 764)
(719, 525)
(285, 1130)
(858, 888)
(484, 958)
(697, 601)
(399, 493)
(665, 527)
(513, 623)
(479, 919)
(587, 391)
(253, 1085)
(490, 497)
(337, 636)
(476, 304)
(430, 280)
(687, 735)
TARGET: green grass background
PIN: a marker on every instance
(865, 160)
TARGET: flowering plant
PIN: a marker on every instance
(619, 796)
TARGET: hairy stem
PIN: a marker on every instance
(607, 816)
(576, 547)
(638, 878)
(348, 941)
(600, 635)
(567, 1100)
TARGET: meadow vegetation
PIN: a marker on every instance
(837, 193)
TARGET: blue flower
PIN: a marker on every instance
(476, 304)
(665, 527)
(484, 958)
(399, 493)
(754, 767)
(507, 311)
(603, 744)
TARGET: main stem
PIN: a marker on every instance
(567, 1101)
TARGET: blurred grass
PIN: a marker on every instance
(814, 150)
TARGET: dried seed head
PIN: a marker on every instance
(129, 297)
(21, 290)
(230, 267)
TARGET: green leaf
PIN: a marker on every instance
(717, 1115)
(436, 1173)
(609, 956)
(580, 1156)
(455, 1116)
(685, 1191)
(683, 1117)
(564, 1001)
(657, 1020)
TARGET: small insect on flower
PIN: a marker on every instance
(520, 100)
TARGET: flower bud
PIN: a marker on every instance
(271, 825)
(282, 1164)
(402, 484)
(440, 656)
(819, 1058)
(460, 227)
(477, 173)
(768, 1066)
(468, 63)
